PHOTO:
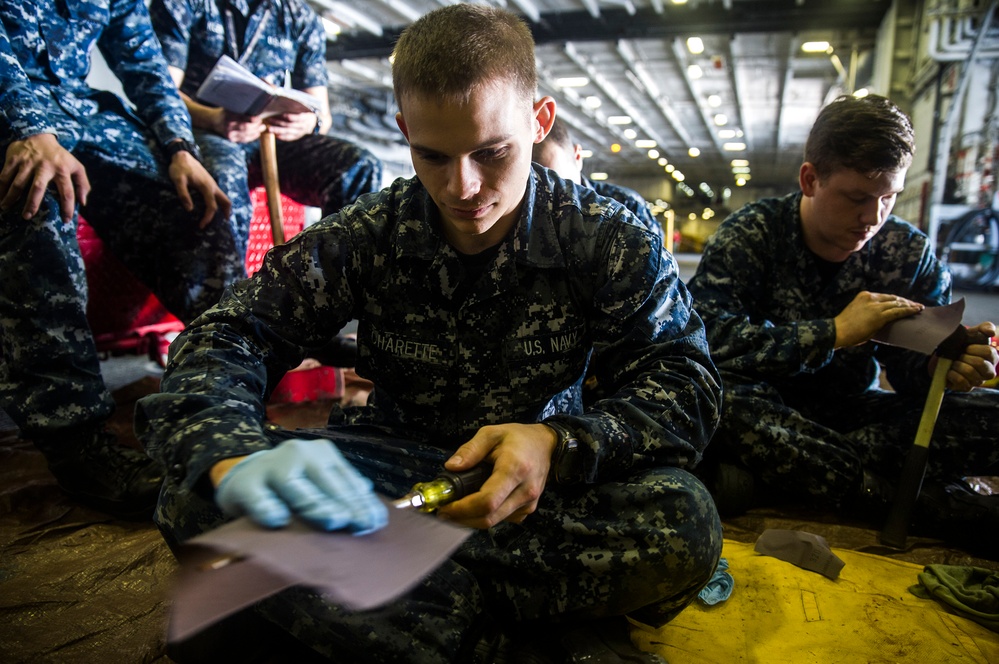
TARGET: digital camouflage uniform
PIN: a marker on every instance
(803, 418)
(50, 375)
(634, 532)
(280, 36)
(631, 199)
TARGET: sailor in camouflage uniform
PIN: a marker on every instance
(792, 289)
(562, 154)
(135, 180)
(480, 288)
(273, 39)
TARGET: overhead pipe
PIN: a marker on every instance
(954, 112)
(942, 48)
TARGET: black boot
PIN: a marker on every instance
(955, 513)
(94, 469)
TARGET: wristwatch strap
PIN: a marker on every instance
(182, 145)
(566, 460)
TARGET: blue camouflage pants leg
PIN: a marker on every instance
(807, 447)
(50, 375)
(317, 171)
(644, 546)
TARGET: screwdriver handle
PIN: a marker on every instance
(467, 481)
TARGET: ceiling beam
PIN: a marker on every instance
(650, 23)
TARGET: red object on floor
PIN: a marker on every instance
(125, 316)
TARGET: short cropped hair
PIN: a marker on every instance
(451, 51)
(870, 135)
(559, 135)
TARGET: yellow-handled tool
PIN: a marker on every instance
(896, 528)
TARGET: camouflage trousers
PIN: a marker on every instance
(318, 171)
(816, 447)
(50, 374)
(642, 546)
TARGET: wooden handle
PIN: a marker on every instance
(268, 162)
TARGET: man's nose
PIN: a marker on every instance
(875, 212)
(464, 179)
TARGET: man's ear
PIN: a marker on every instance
(577, 155)
(808, 179)
(544, 114)
(399, 120)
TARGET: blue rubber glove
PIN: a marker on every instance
(308, 478)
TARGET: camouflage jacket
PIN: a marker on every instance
(45, 59)
(282, 36)
(576, 272)
(632, 200)
(769, 315)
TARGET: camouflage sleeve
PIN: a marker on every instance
(172, 20)
(20, 113)
(665, 393)
(310, 65)
(731, 291)
(211, 404)
(133, 53)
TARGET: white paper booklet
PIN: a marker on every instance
(233, 87)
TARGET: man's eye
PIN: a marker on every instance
(492, 153)
(432, 158)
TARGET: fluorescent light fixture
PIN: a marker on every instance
(678, 176)
(694, 152)
(861, 93)
(586, 154)
(739, 162)
(619, 120)
(726, 134)
(695, 45)
(645, 143)
(714, 101)
(734, 147)
(592, 102)
(630, 134)
(721, 119)
(740, 170)
(653, 154)
(816, 47)
(572, 82)
(662, 161)
(615, 147)
(670, 168)
(679, 2)
(598, 176)
(740, 182)
(331, 28)
(695, 72)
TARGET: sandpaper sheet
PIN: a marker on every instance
(240, 563)
(924, 331)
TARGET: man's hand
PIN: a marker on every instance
(35, 163)
(521, 456)
(188, 174)
(867, 314)
(976, 365)
(292, 126)
(236, 127)
(308, 478)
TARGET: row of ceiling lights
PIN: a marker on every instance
(741, 171)
(740, 166)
